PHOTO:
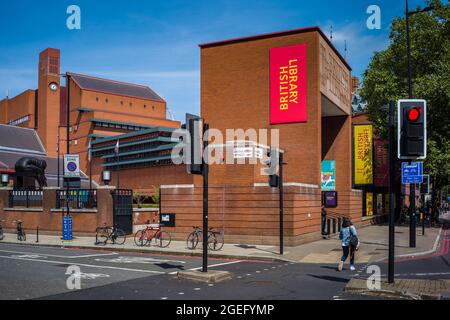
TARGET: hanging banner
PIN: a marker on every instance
(362, 153)
(381, 166)
(288, 84)
(328, 175)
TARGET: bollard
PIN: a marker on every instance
(339, 224)
(328, 226)
(37, 234)
(334, 225)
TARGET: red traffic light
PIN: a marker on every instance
(414, 114)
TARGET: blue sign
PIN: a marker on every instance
(67, 228)
(412, 172)
(72, 166)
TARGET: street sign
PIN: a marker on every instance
(67, 228)
(412, 172)
(71, 166)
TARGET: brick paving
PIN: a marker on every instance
(422, 289)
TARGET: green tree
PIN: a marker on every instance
(386, 79)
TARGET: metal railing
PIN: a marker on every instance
(25, 198)
(78, 199)
(331, 223)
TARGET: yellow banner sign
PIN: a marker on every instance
(363, 156)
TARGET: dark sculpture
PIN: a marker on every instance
(28, 170)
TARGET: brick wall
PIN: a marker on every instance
(247, 214)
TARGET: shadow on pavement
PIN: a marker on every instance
(330, 278)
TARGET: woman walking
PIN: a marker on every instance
(348, 237)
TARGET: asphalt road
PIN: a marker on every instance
(30, 272)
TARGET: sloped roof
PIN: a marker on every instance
(115, 87)
(20, 140)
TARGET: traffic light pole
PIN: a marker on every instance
(205, 170)
(280, 185)
(391, 193)
(412, 192)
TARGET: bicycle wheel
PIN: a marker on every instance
(119, 237)
(215, 241)
(163, 239)
(192, 240)
(141, 238)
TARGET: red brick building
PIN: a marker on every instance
(235, 82)
(98, 108)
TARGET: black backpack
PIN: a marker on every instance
(354, 241)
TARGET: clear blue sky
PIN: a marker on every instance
(155, 42)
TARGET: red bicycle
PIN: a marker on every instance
(153, 231)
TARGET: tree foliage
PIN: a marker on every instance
(386, 79)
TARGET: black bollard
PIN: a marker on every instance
(37, 234)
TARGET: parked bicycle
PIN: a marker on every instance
(145, 236)
(21, 235)
(2, 236)
(104, 234)
(215, 239)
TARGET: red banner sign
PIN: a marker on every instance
(381, 165)
(288, 84)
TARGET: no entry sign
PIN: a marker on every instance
(72, 166)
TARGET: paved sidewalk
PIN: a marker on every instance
(416, 289)
(374, 246)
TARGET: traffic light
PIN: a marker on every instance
(272, 167)
(412, 129)
(194, 156)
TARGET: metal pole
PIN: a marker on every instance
(280, 185)
(205, 204)
(59, 142)
(391, 194)
(118, 176)
(423, 214)
(412, 193)
(68, 140)
(408, 50)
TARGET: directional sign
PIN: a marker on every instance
(412, 172)
(71, 166)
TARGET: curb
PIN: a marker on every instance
(416, 254)
(155, 251)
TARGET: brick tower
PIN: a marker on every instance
(48, 115)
